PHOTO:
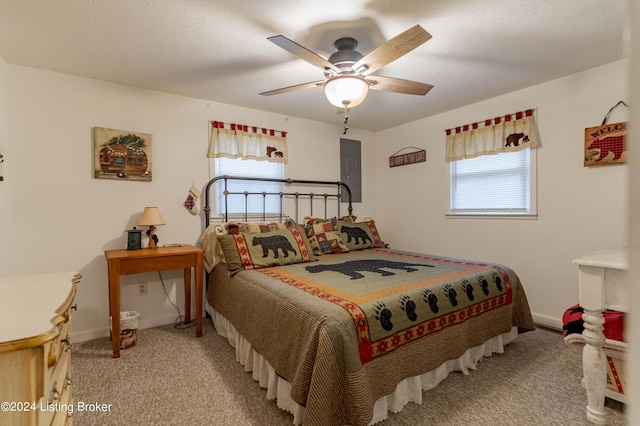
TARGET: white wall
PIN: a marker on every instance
(63, 219)
(633, 325)
(5, 218)
(580, 209)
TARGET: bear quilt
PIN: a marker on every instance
(395, 298)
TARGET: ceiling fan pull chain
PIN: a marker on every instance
(346, 119)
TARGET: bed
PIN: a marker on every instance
(339, 327)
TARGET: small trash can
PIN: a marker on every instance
(128, 329)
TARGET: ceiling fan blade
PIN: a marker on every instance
(294, 88)
(302, 52)
(398, 85)
(392, 49)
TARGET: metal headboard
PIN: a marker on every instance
(295, 195)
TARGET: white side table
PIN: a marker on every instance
(602, 278)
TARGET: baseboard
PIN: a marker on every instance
(143, 323)
(77, 337)
(547, 321)
(543, 320)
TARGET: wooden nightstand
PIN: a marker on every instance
(125, 262)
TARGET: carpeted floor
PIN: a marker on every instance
(173, 378)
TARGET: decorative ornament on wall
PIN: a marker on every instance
(191, 202)
(416, 156)
(121, 154)
(606, 144)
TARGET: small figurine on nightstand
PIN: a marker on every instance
(153, 237)
(151, 217)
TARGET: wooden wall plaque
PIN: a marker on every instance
(419, 156)
(605, 145)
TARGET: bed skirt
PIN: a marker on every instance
(408, 390)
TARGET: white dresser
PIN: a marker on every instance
(603, 285)
(35, 349)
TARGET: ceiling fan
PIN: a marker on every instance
(348, 74)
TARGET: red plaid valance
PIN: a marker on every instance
(246, 128)
(491, 121)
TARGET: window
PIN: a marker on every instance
(248, 168)
(501, 184)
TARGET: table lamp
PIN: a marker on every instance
(151, 217)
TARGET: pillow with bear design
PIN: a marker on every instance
(359, 235)
(209, 238)
(261, 250)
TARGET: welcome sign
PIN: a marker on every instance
(605, 145)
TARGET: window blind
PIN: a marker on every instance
(491, 184)
(248, 168)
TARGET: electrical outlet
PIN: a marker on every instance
(142, 289)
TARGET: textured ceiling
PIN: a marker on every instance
(218, 50)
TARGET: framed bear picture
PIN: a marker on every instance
(605, 145)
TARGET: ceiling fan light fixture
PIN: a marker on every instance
(346, 90)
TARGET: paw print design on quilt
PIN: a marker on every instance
(409, 307)
(430, 299)
(467, 287)
(451, 293)
(484, 285)
(497, 280)
(383, 314)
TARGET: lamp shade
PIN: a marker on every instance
(346, 90)
(151, 217)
